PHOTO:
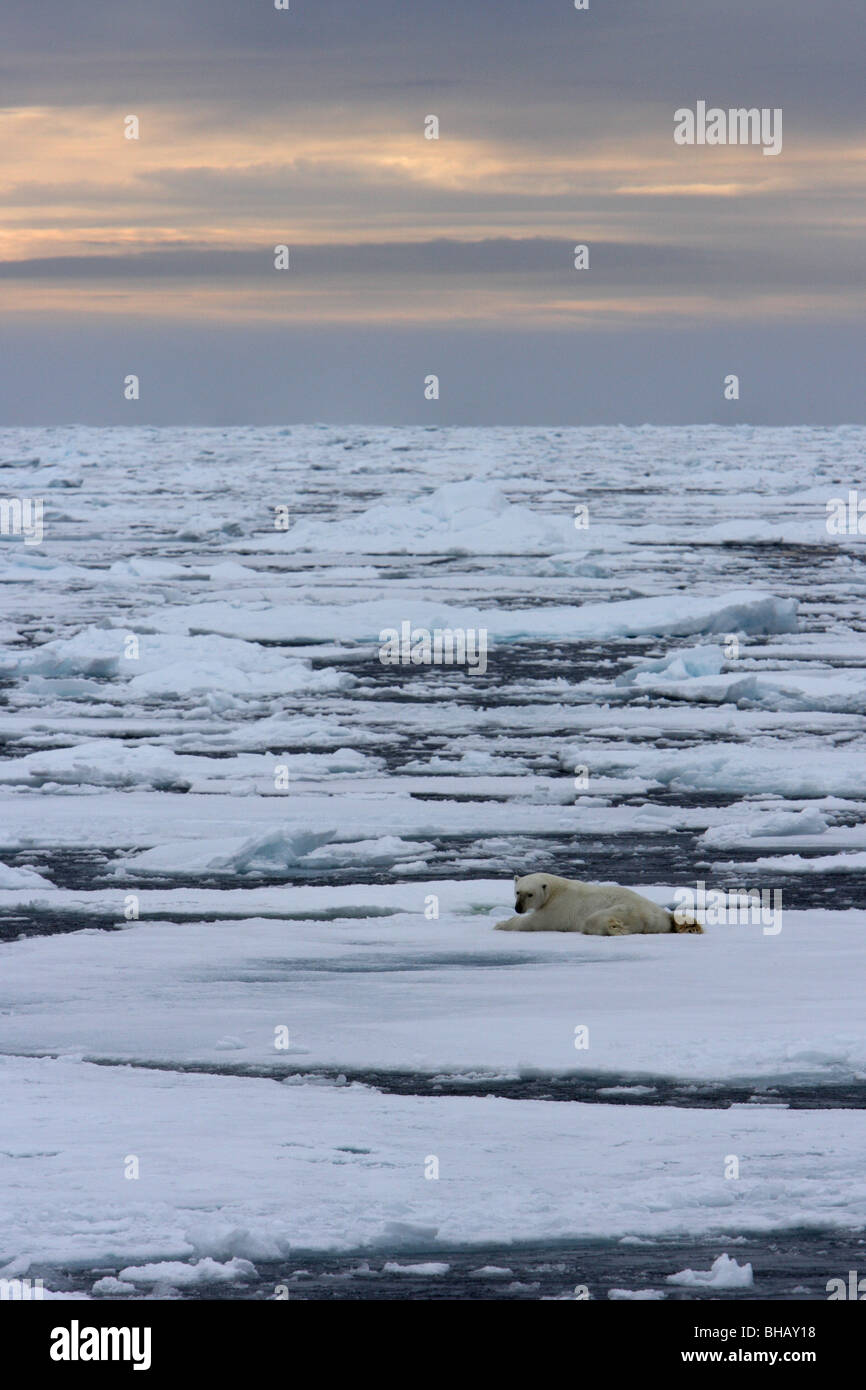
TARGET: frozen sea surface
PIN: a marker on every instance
(196, 727)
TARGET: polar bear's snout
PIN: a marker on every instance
(528, 897)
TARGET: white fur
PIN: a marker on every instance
(548, 903)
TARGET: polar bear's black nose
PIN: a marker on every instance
(519, 905)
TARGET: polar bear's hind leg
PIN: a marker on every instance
(604, 923)
(688, 925)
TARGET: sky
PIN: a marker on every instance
(408, 257)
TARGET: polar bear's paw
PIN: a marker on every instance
(513, 924)
(688, 927)
(616, 928)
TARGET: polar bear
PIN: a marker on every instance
(596, 909)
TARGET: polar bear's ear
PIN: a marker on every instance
(516, 878)
(545, 890)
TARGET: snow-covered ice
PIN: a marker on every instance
(249, 874)
(318, 1168)
(724, 1274)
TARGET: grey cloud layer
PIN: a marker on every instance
(802, 53)
(613, 265)
(284, 374)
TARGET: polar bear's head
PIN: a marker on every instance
(531, 892)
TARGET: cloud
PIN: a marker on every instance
(805, 54)
(305, 127)
(614, 265)
(194, 374)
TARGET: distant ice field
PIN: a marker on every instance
(196, 727)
